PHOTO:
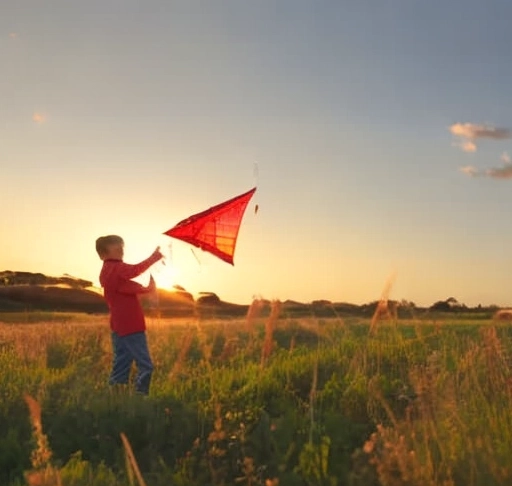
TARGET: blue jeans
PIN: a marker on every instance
(128, 349)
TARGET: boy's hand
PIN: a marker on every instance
(152, 285)
(157, 253)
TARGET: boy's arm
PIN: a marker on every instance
(127, 271)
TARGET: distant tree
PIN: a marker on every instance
(450, 304)
(208, 298)
(442, 306)
(407, 304)
(321, 303)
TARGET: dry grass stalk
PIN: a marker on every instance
(229, 349)
(40, 457)
(270, 326)
(292, 344)
(497, 359)
(132, 461)
(396, 462)
(272, 482)
(383, 310)
(375, 391)
(218, 432)
(314, 327)
(43, 473)
(206, 347)
(252, 315)
(43, 477)
(339, 319)
(312, 400)
(186, 343)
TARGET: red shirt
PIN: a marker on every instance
(121, 294)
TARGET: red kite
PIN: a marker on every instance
(216, 229)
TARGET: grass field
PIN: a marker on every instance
(262, 401)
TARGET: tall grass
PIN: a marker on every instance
(263, 401)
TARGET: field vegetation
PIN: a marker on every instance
(264, 400)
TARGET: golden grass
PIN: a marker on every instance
(400, 452)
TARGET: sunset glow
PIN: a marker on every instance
(378, 137)
(166, 277)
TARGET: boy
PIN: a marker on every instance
(127, 321)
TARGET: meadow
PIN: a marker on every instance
(265, 400)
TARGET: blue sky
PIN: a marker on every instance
(126, 117)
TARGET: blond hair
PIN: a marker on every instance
(103, 242)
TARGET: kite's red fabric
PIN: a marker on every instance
(216, 229)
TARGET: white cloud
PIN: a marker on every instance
(38, 117)
(504, 172)
(469, 170)
(468, 146)
(472, 131)
(468, 133)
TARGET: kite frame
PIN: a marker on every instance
(192, 238)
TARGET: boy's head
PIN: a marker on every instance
(111, 246)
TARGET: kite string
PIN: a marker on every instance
(255, 175)
(169, 255)
(196, 258)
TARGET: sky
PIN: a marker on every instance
(377, 133)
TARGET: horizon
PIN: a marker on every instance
(177, 288)
(378, 137)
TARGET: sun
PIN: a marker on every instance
(165, 278)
